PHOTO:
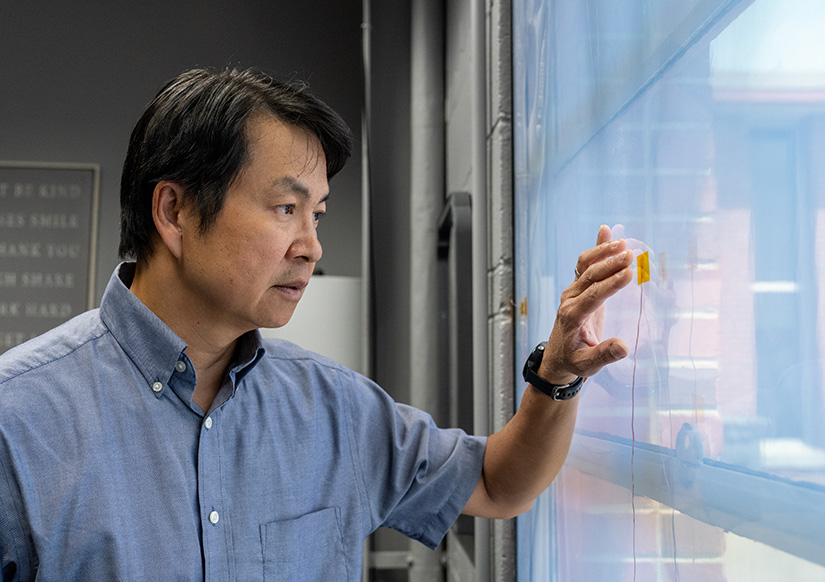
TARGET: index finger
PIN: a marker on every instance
(604, 278)
(599, 253)
(604, 235)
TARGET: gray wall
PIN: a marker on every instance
(390, 186)
(75, 78)
(77, 75)
(392, 173)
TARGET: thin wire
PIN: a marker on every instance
(633, 427)
(690, 344)
(660, 383)
(693, 265)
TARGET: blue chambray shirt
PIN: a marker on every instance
(109, 471)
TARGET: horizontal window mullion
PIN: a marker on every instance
(781, 513)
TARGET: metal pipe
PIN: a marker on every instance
(481, 391)
(366, 229)
(426, 200)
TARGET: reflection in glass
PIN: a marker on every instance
(694, 129)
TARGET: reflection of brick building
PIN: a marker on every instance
(681, 355)
(771, 386)
(718, 187)
(709, 163)
(715, 177)
(666, 170)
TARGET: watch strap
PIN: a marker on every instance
(554, 391)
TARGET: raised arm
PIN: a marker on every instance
(526, 455)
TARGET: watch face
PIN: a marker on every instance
(533, 361)
(537, 355)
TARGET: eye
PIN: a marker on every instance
(285, 208)
(316, 216)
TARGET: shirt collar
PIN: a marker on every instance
(249, 352)
(150, 343)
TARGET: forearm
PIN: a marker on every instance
(525, 456)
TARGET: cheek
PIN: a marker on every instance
(255, 261)
(252, 245)
(265, 246)
(245, 243)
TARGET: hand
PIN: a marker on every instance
(660, 313)
(575, 347)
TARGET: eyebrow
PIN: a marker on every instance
(294, 185)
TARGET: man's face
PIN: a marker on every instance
(251, 266)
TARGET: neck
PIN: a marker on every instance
(211, 371)
(209, 348)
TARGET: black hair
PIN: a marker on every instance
(193, 133)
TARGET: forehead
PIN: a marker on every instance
(282, 147)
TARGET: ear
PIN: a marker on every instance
(170, 219)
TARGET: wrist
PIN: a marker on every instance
(540, 375)
(552, 375)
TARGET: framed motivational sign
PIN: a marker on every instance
(48, 236)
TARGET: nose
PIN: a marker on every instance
(306, 244)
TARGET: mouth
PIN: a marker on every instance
(292, 289)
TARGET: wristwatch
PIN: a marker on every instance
(554, 391)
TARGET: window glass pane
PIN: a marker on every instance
(693, 129)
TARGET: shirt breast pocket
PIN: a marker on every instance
(307, 548)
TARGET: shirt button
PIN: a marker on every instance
(208, 422)
(157, 386)
(180, 366)
(214, 517)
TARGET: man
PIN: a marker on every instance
(160, 438)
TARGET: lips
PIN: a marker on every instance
(292, 289)
(298, 284)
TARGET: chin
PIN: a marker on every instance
(273, 321)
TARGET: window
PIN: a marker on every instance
(694, 128)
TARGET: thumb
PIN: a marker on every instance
(607, 352)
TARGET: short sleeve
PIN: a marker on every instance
(15, 561)
(417, 476)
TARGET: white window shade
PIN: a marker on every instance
(328, 320)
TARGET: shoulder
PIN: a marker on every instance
(54, 346)
(285, 354)
(305, 371)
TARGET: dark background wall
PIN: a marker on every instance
(390, 174)
(75, 77)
